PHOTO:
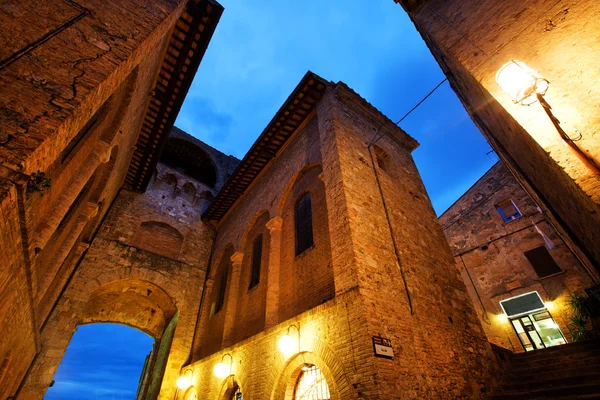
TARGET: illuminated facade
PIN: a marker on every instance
(323, 283)
(491, 51)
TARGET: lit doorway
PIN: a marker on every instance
(532, 322)
(102, 362)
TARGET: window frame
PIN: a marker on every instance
(500, 210)
(322, 391)
(303, 228)
(256, 261)
(220, 300)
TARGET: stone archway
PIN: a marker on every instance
(339, 386)
(133, 302)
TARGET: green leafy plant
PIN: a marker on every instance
(38, 182)
(579, 319)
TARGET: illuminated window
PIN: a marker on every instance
(311, 385)
(508, 210)
(304, 230)
(237, 395)
(256, 260)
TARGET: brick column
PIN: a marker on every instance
(88, 211)
(100, 155)
(204, 316)
(232, 299)
(272, 306)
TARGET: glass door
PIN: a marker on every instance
(537, 331)
(548, 329)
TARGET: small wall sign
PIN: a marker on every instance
(383, 347)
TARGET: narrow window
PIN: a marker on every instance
(303, 220)
(221, 295)
(508, 210)
(383, 160)
(256, 260)
(542, 262)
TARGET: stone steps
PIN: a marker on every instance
(571, 371)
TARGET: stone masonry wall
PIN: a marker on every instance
(490, 254)
(117, 282)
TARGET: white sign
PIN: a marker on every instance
(383, 347)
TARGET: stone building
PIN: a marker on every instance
(88, 92)
(506, 250)
(552, 146)
(325, 237)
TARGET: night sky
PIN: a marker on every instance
(259, 52)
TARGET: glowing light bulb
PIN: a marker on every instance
(521, 82)
(287, 345)
(502, 318)
(221, 370)
(184, 382)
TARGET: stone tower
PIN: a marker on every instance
(377, 266)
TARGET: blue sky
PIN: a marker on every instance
(262, 48)
(102, 362)
(260, 51)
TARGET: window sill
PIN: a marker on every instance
(305, 252)
(552, 276)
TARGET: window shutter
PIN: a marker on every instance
(542, 262)
(509, 209)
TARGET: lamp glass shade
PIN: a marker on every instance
(287, 345)
(221, 370)
(184, 382)
(520, 82)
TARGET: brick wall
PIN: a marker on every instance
(251, 302)
(306, 280)
(107, 57)
(552, 38)
(17, 327)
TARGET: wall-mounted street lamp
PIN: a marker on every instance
(223, 370)
(184, 381)
(287, 345)
(525, 86)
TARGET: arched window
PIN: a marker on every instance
(303, 224)
(311, 385)
(256, 261)
(221, 294)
